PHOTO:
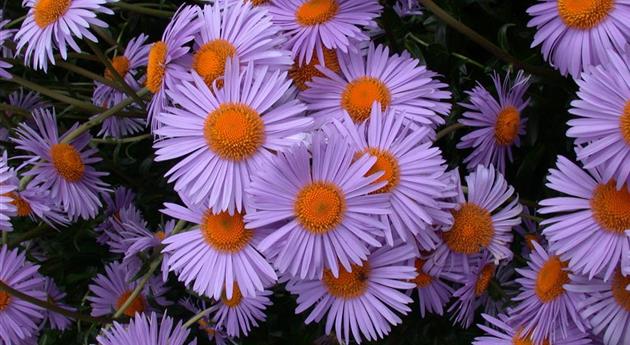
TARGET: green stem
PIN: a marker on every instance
(55, 95)
(459, 56)
(88, 74)
(143, 10)
(14, 109)
(29, 235)
(448, 130)
(5, 237)
(197, 317)
(122, 140)
(15, 22)
(534, 218)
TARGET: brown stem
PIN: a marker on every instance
(448, 130)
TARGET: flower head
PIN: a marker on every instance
(56, 296)
(146, 329)
(28, 101)
(8, 185)
(122, 198)
(35, 202)
(433, 292)
(239, 314)
(5, 34)
(205, 324)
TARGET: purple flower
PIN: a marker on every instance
(35, 202)
(223, 136)
(397, 82)
(588, 229)
(54, 295)
(363, 300)
(117, 235)
(8, 186)
(4, 35)
(315, 25)
(239, 314)
(143, 329)
(52, 24)
(63, 168)
(529, 231)
(404, 8)
(123, 198)
(205, 324)
(28, 101)
(19, 319)
(499, 121)
(433, 292)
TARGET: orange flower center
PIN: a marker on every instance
(67, 161)
(23, 207)
(619, 284)
(204, 326)
(5, 300)
(584, 14)
(156, 67)
(611, 207)
(360, 94)
(301, 74)
(550, 279)
(484, 278)
(46, 12)
(225, 232)
(234, 131)
(422, 279)
(236, 299)
(313, 12)
(121, 65)
(472, 230)
(520, 339)
(209, 61)
(506, 128)
(138, 305)
(624, 123)
(259, 2)
(160, 235)
(530, 239)
(387, 163)
(349, 284)
(320, 207)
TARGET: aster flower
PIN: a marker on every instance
(28, 101)
(118, 126)
(168, 60)
(313, 25)
(35, 202)
(239, 314)
(63, 168)
(8, 184)
(205, 324)
(546, 309)
(117, 236)
(607, 306)
(370, 288)
(405, 8)
(19, 319)
(503, 333)
(575, 35)
(589, 227)
(221, 244)
(4, 35)
(143, 329)
(529, 232)
(326, 204)
(397, 82)
(433, 292)
(53, 24)
(123, 198)
(481, 222)
(413, 172)
(602, 118)
(499, 121)
(236, 29)
(303, 73)
(56, 296)
(109, 291)
(224, 136)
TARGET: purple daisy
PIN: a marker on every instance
(239, 314)
(405, 8)
(325, 202)
(52, 24)
(5, 34)
(236, 29)
(576, 34)
(35, 202)
(503, 333)
(397, 82)
(433, 292)
(602, 123)
(499, 121)
(139, 239)
(413, 172)
(221, 244)
(482, 222)
(529, 231)
(63, 168)
(607, 306)
(123, 198)
(362, 301)
(28, 101)
(117, 236)
(315, 25)
(143, 329)
(8, 185)
(19, 319)
(205, 324)
(169, 61)
(109, 291)
(56, 296)
(589, 227)
(118, 126)
(546, 309)
(223, 136)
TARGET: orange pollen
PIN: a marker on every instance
(120, 64)
(472, 230)
(234, 131)
(204, 326)
(209, 61)
(138, 305)
(550, 279)
(46, 12)
(259, 2)
(422, 279)
(156, 67)
(5, 300)
(611, 207)
(23, 207)
(584, 14)
(530, 239)
(67, 161)
(225, 232)
(236, 299)
(360, 94)
(301, 74)
(160, 235)
(624, 123)
(520, 339)
(484, 278)
(619, 284)
(387, 163)
(320, 207)
(506, 127)
(314, 12)
(348, 285)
